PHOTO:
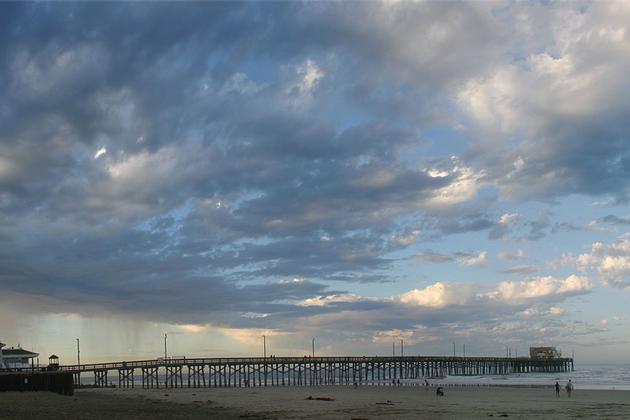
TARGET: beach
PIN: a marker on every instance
(337, 402)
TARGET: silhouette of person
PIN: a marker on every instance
(557, 389)
(569, 388)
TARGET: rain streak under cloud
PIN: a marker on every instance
(365, 172)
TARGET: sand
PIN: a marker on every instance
(97, 406)
(291, 403)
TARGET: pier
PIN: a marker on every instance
(302, 371)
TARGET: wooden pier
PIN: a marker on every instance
(301, 371)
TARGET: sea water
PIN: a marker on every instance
(583, 377)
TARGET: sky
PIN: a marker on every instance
(448, 174)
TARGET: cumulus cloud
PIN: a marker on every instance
(610, 261)
(540, 287)
(438, 295)
(465, 182)
(558, 100)
(533, 290)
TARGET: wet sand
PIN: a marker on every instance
(102, 406)
(292, 403)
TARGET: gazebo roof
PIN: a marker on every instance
(54, 356)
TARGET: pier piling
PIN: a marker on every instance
(301, 371)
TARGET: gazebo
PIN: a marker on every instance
(53, 362)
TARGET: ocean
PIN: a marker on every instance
(584, 377)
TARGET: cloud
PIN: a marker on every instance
(206, 171)
(410, 337)
(193, 328)
(440, 308)
(540, 287)
(462, 258)
(100, 152)
(555, 311)
(521, 269)
(557, 99)
(330, 300)
(438, 295)
(610, 261)
(463, 187)
(502, 228)
(434, 257)
(311, 76)
(536, 311)
(508, 218)
(474, 261)
(189, 175)
(406, 239)
(616, 220)
(508, 256)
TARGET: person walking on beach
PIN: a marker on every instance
(569, 388)
(557, 389)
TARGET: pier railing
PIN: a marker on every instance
(161, 362)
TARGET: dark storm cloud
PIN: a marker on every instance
(210, 160)
(159, 156)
